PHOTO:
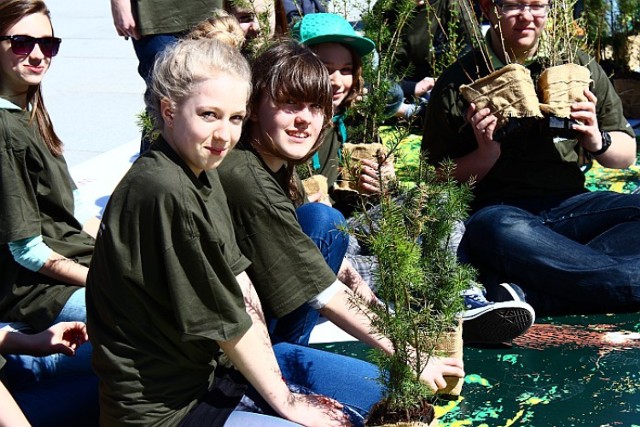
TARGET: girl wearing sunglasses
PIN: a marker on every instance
(44, 254)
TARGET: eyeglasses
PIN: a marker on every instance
(537, 10)
(24, 45)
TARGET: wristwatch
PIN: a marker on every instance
(606, 143)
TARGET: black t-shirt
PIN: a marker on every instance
(162, 290)
(287, 268)
(532, 164)
(36, 195)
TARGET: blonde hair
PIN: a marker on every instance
(186, 63)
(221, 26)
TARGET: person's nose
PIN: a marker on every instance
(222, 131)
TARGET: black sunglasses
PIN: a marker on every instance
(23, 45)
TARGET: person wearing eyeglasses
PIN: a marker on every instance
(533, 223)
(44, 252)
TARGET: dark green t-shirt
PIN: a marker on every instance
(532, 164)
(162, 290)
(172, 16)
(287, 268)
(326, 161)
(36, 198)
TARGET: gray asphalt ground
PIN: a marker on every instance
(93, 90)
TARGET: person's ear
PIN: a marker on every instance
(166, 111)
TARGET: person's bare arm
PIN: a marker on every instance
(10, 413)
(479, 162)
(355, 319)
(253, 356)
(622, 152)
(64, 269)
(123, 19)
(63, 337)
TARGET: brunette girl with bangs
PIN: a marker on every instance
(296, 253)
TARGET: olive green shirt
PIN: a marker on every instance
(162, 291)
(172, 16)
(532, 163)
(287, 268)
(36, 198)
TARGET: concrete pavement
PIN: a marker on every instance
(93, 91)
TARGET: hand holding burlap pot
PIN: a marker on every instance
(352, 155)
(507, 92)
(561, 86)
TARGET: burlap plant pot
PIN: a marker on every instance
(561, 86)
(352, 154)
(507, 92)
(317, 184)
(450, 345)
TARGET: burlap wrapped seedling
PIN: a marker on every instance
(561, 86)
(317, 184)
(507, 92)
(450, 344)
(352, 155)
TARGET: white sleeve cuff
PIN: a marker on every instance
(323, 298)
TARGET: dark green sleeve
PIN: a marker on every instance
(608, 106)
(286, 266)
(19, 215)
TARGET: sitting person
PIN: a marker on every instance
(341, 49)
(169, 304)
(47, 401)
(290, 107)
(44, 252)
(533, 222)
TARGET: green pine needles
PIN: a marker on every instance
(418, 278)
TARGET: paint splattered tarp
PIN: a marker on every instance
(597, 178)
(565, 371)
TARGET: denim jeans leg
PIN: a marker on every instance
(321, 223)
(23, 369)
(559, 256)
(352, 382)
(148, 47)
(63, 401)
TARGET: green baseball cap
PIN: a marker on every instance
(316, 28)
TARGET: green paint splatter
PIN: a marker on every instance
(476, 379)
(509, 358)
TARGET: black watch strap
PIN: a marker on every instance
(606, 143)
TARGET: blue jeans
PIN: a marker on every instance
(579, 255)
(56, 387)
(321, 223)
(352, 382)
(148, 47)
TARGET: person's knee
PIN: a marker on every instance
(321, 214)
(495, 223)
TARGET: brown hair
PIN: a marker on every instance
(12, 11)
(358, 81)
(290, 71)
(221, 26)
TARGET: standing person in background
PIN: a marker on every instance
(168, 292)
(533, 222)
(154, 24)
(44, 253)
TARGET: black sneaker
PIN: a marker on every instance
(495, 322)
